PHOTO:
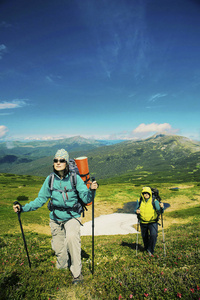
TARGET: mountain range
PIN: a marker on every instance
(158, 158)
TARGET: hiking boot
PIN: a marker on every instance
(78, 279)
(150, 254)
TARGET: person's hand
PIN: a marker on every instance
(94, 185)
(138, 211)
(17, 207)
(161, 205)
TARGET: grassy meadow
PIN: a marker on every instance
(118, 273)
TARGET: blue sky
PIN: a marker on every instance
(114, 69)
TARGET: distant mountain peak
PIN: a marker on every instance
(158, 135)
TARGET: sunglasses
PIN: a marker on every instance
(62, 160)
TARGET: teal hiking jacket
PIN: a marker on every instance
(57, 197)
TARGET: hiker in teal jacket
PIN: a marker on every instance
(148, 210)
(64, 219)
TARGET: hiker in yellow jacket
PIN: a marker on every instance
(148, 210)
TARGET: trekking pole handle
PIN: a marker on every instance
(93, 179)
(18, 207)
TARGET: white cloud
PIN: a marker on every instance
(49, 79)
(3, 131)
(144, 131)
(13, 104)
(153, 127)
(53, 78)
(156, 97)
(43, 138)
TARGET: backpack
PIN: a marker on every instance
(155, 196)
(78, 207)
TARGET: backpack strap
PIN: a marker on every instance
(156, 197)
(63, 192)
(73, 180)
(51, 180)
(153, 201)
(140, 202)
(79, 207)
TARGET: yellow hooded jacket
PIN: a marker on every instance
(147, 212)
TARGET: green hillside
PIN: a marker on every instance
(159, 158)
(35, 157)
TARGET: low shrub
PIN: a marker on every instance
(22, 198)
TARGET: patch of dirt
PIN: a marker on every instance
(182, 186)
(180, 202)
(170, 221)
(100, 208)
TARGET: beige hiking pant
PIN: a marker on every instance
(66, 243)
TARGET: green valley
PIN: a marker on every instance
(118, 273)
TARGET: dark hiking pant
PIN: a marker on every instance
(149, 235)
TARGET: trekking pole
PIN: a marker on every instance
(25, 245)
(137, 236)
(93, 179)
(163, 235)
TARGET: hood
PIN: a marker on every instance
(147, 190)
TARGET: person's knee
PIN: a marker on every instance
(153, 236)
(72, 238)
(57, 248)
(154, 231)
